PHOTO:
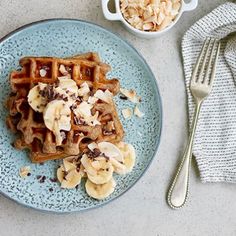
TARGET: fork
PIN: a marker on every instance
(200, 87)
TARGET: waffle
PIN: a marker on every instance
(29, 124)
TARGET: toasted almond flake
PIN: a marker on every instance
(132, 11)
(92, 100)
(166, 22)
(127, 113)
(148, 26)
(63, 70)
(84, 89)
(42, 72)
(24, 171)
(176, 5)
(130, 94)
(92, 120)
(83, 110)
(138, 113)
(160, 18)
(147, 13)
(104, 96)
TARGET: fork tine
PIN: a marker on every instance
(198, 61)
(214, 66)
(210, 62)
(200, 76)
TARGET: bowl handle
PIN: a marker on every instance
(108, 15)
(190, 5)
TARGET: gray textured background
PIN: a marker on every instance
(211, 209)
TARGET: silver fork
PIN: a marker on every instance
(200, 87)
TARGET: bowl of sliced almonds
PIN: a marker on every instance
(148, 18)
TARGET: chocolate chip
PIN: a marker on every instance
(96, 152)
(93, 154)
(53, 180)
(73, 96)
(38, 176)
(107, 133)
(74, 106)
(42, 180)
(79, 121)
(29, 174)
(50, 189)
(123, 97)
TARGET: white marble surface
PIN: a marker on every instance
(211, 209)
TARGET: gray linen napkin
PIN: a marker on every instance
(215, 140)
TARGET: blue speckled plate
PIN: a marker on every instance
(61, 38)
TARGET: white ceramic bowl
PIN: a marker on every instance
(144, 34)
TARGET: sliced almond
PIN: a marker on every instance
(130, 94)
(166, 22)
(63, 70)
(148, 26)
(160, 18)
(24, 171)
(104, 96)
(92, 100)
(83, 90)
(137, 112)
(83, 110)
(127, 113)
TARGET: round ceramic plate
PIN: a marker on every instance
(62, 38)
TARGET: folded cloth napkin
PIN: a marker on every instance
(215, 139)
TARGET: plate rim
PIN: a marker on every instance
(157, 142)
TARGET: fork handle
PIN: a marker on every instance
(178, 191)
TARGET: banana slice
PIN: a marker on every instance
(61, 173)
(68, 175)
(92, 146)
(100, 191)
(110, 150)
(68, 165)
(35, 100)
(99, 170)
(71, 180)
(129, 158)
(117, 165)
(57, 115)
